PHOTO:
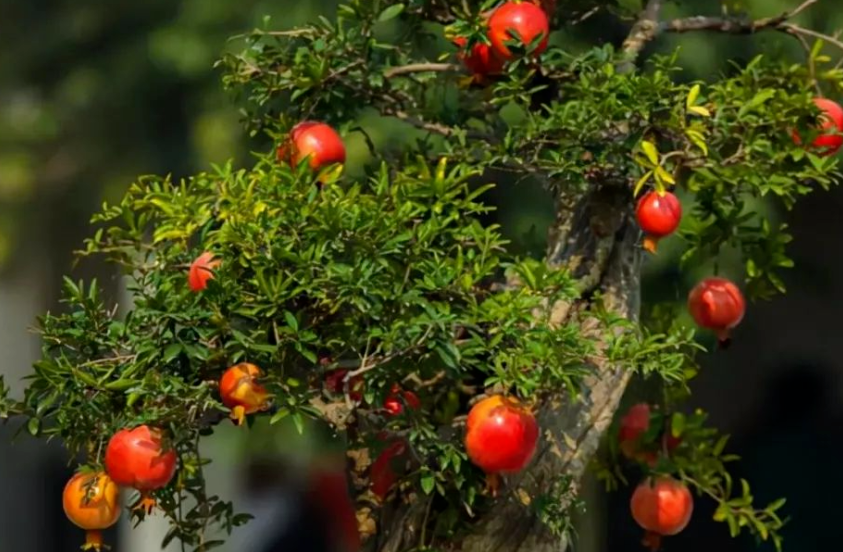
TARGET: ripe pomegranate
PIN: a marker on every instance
(501, 435)
(634, 424)
(383, 473)
(140, 459)
(658, 216)
(831, 121)
(201, 270)
(481, 61)
(394, 403)
(662, 506)
(327, 493)
(717, 304)
(317, 142)
(335, 383)
(526, 19)
(241, 392)
(91, 502)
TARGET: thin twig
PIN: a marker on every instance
(421, 68)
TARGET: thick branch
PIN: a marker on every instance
(642, 32)
(731, 25)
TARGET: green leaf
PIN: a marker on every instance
(391, 12)
(650, 151)
(677, 424)
(428, 482)
(641, 182)
(692, 96)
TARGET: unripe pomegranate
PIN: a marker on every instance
(658, 216)
(831, 121)
(480, 61)
(201, 270)
(335, 383)
(394, 403)
(526, 19)
(91, 502)
(501, 435)
(138, 458)
(315, 141)
(717, 304)
(662, 506)
(241, 392)
(383, 473)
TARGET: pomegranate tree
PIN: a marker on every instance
(396, 309)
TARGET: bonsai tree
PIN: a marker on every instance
(471, 385)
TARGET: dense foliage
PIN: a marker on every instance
(395, 275)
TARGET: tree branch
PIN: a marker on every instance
(421, 68)
(643, 31)
(735, 26)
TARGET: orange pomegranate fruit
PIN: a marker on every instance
(139, 458)
(241, 392)
(501, 435)
(91, 502)
(528, 20)
(317, 142)
(831, 126)
(658, 216)
(662, 506)
(717, 304)
(202, 270)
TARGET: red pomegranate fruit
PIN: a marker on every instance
(139, 458)
(394, 403)
(662, 506)
(328, 494)
(528, 20)
(501, 435)
(480, 60)
(384, 471)
(241, 392)
(658, 216)
(831, 125)
(201, 270)
(717, 304)
(317, 142)
(634, 424)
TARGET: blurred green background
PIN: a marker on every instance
(96, 92)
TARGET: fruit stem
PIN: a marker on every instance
(93, 540)
(650, 244)
(238, 415)
(652, 541)
(724, 340)
(493, 483)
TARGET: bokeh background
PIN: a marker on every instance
(94, 93)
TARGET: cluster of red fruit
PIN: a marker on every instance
(526, 20)
(661, 505)
(137, 458)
